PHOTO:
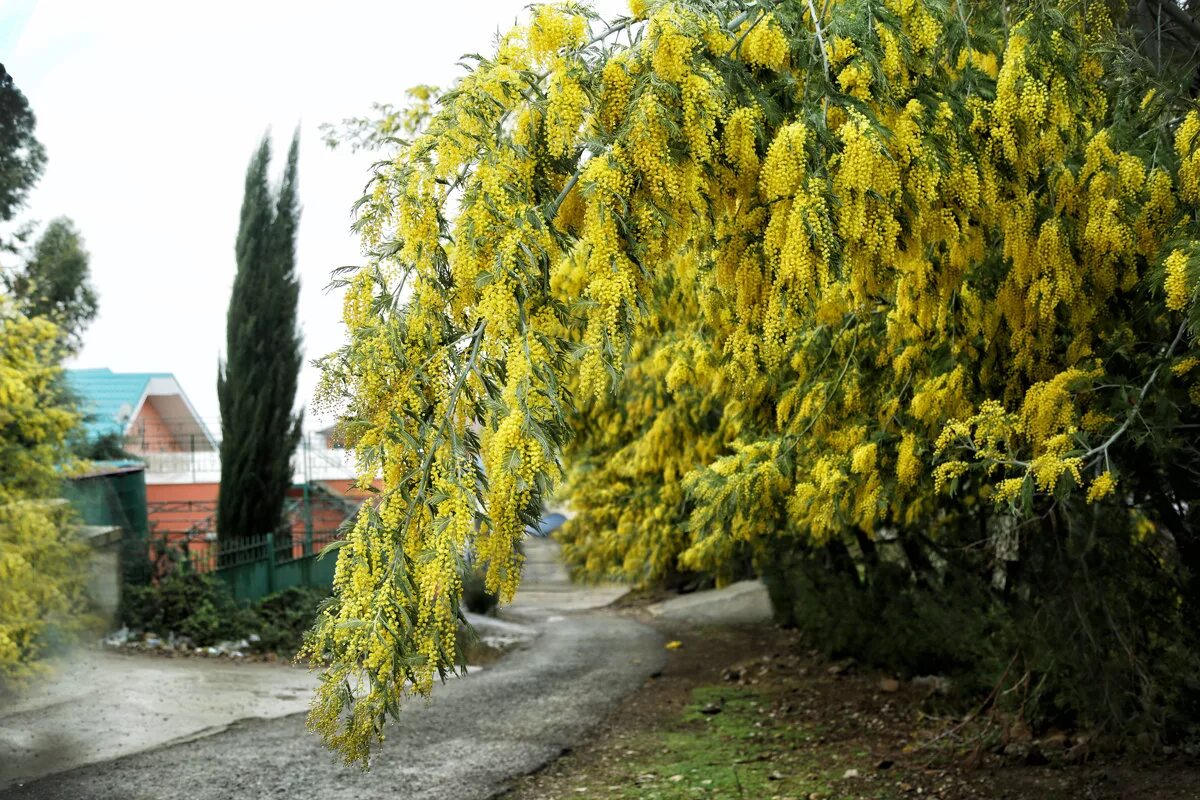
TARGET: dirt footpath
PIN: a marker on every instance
(469, 741)
(101, 705)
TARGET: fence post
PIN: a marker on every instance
(308, 519)
(307, 497)
(270, 563)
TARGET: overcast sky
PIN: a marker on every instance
(149, 112)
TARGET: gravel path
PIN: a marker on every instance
(467, 742)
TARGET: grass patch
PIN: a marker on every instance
(730, 742)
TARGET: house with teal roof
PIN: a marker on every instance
(148, 411)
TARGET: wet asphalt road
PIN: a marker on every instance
(468, 742)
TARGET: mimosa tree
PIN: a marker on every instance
(42, 560)
(871, 287)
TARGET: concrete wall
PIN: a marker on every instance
(104, 570)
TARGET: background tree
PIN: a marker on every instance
(21, 155)
(256, 384)
(42, 562)
(54, 282)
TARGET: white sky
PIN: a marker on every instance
(149, 112)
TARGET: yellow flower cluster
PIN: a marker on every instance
(1176, 284)
(672, 50)
(564, 113)
(784, 169)
(765, 44)
(617, 83)
(1187, 147)
(702, 109)
(552, 29)
(1102, 486)
(740, 143)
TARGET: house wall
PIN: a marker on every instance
(193, 505)
(186, 512)
(325, 517)
(149, 433)
(175, 509)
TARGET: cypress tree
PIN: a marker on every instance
(256, 384)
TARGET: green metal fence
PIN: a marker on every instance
(254, 566)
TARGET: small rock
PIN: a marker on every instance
(675, 778)
(934, 683)
(254, 638)
(889, 685)
(842, 667)
(850, 773)
(775, 776)
(117, 638)
(1054, 740)
(713, 707)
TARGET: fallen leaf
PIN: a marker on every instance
(675, 645)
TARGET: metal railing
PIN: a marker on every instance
(205, 554)
(197, 459)
(252, 566)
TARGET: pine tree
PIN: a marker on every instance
(256, 385)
